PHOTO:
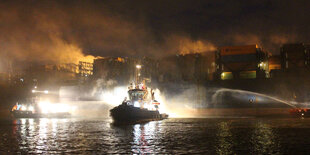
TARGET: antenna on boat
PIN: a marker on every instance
(138, 67)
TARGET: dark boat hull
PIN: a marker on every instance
(130, 114)
(29, 114)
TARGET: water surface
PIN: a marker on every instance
(171, 136)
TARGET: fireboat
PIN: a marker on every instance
(141, 105)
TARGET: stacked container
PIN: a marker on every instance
(239, 62)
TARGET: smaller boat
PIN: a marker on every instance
(35, 108)
(30, 114)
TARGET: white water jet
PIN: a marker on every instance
(240, 94)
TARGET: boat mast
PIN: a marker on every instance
(138, 74)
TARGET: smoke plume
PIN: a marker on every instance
(68, 31)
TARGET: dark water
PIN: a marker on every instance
(172, 136)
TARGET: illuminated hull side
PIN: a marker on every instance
(131, 114)
(30, 114)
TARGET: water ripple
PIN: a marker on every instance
(172, 136)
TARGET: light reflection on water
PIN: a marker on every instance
(225, 139)
(264, 140)
(172, 136)
(143, 137)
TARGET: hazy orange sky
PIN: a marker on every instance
(66, 31)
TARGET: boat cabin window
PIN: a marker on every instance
(136, 95)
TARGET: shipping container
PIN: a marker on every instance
(242, 75)
(188, 67)
(227, 75)
(295, 56)
(247, 75)
(239, 66)
(114, 68)
(238, 50)
(240, 59)
(274, 62)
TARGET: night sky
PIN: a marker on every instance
(65, 31)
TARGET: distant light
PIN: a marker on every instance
(136, 104)
(261, 64)
(46, 91)
(44, 106)
(223, 74)
(30, 108)
(35, 87)
(23, 108)
(138, 66)
(33, 91)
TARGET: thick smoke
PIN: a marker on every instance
(184, 45)
(36, 35)
(67, 31)
(53, 32)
